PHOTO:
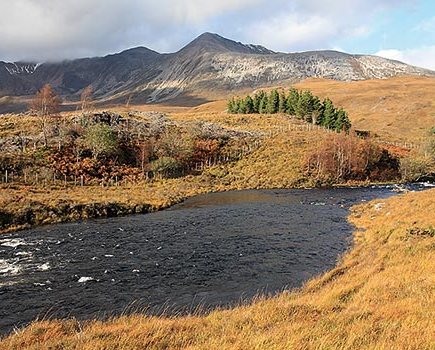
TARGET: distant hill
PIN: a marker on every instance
(208, 65)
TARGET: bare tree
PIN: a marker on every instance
(45, 103)
(86, 98)
(144, 150)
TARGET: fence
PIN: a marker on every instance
(53, 177)
(48, 176)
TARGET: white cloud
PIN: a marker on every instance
(43, 29)
(420, 57)
(57, 29)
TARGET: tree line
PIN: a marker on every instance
(302, 104)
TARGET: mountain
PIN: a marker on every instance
(209, 65)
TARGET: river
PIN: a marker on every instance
(212, 250)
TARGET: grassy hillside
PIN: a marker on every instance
(401, 108)
(380, 296)
(395, 109)
(277, 163)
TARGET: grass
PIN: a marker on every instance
(380, 296)
(399, 109)
(278, 163)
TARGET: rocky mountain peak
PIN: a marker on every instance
(211, 42)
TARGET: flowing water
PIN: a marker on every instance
(212, 250)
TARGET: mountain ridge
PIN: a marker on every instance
(208, 64)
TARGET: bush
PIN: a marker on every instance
(413, 169)
(341, 157)
(101, 140)
(167, 167)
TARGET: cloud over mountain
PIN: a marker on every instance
(53, 30)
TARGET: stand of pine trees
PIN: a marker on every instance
(302, 104)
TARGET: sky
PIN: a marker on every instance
(52, 30)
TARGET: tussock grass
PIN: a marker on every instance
(380, 296)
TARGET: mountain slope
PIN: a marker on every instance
(209, 64)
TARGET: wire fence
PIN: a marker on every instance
(49, 176)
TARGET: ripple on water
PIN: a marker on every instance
(12, 242)
(9, 268)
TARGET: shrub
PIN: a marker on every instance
(341, 157)
(414, 168)
(101, 140)
(167, 167)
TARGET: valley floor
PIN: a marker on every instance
(380, 296)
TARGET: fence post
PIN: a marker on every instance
(6, 176)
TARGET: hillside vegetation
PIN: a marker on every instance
(399, 109)
(380, 296)
(157, 161)
(396, 109)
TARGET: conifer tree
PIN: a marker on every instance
(329, 114)
(241, 107)
(317, 112)
(342, 122)
(273, 103)
(249, 105)
(263, 104)
(282, 102)
(230, 105)
(304, 107)
(257, 100)
(292, 101)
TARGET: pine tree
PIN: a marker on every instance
(292, 101)
(282, 102)
(249, 105)
(241, 108)
(304, 107)
(273, 103)
(263, 104)
(257, 100)
(342, 122)
(329, 114)
(231, 105)
(317, 112)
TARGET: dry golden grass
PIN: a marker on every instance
(380, 296)
(396, 109)
(15, 125)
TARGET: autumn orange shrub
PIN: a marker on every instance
(340, 157)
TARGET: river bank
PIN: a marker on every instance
(379, 296)
(23, 207)
(210, 251)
